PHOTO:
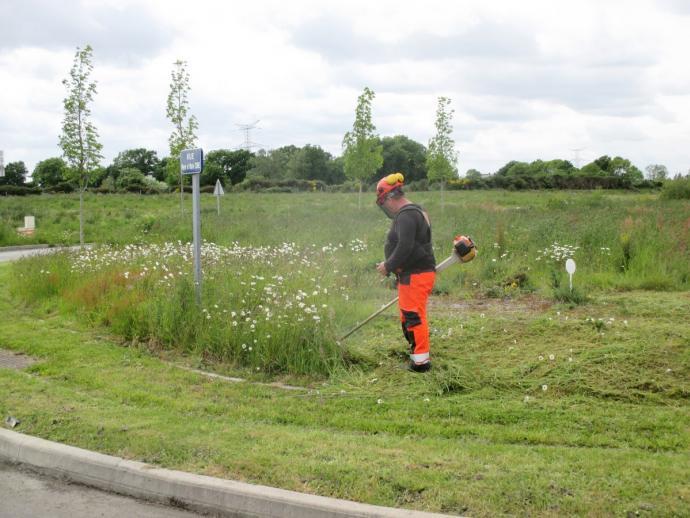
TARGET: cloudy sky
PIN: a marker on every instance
(528, 79)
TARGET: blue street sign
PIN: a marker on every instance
(192, 161)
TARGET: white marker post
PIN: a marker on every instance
(570, 268)
(218, 192)
(192, 162)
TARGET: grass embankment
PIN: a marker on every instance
(532, 409)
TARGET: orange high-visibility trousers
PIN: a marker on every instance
(414, 290)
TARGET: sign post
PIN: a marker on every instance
(192, 162)
(570, 268)
(218, 192)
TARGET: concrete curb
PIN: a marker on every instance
(195, 492)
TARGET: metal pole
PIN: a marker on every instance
(196, 224)
(218, 203)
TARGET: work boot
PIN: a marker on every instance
(423, 367)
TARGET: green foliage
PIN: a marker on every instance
(313, 163)
(15, 174)
(676, 189)
(130, 179)
(473, 174)
(185, 125)
(230, 167)
(441, 157)
(402, 154)
(18, 190)
(49, 172)
(271, 165)
(362, 150)
(79, 138)
(145, 160)
(274, 186)
(617, 166)
(657, 172)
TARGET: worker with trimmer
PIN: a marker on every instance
(410, 256)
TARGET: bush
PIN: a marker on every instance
(290, 185)
(64, 187)
(678, 189)
(18, 190)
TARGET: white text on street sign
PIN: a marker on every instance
(191, 161)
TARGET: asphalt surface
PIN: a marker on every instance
(13, 255)
(26, 494)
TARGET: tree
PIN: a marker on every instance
(79, 139)
(271, 165)
(622, 167)
(441, 158)
(130, 179)
(15, 174)
(185, 125)
(362, 151)
(313, 163)
(401, 153)
(657, 172)
(226, 165)
(146, 160)
(503, 171)
(49, 172)
(473, 174)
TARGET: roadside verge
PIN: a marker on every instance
(194, 492)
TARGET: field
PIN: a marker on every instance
(542, 400)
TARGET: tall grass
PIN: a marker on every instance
(271, 309)
(281, 257)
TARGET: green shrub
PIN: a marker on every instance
(18, 190)
(678, 189)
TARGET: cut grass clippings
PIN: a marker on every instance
(494, 430)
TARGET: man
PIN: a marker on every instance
(409, 255)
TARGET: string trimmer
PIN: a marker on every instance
(464, 251)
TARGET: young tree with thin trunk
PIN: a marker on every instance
(185, 125)
(362, 150)
(79, 139)
(441, 158)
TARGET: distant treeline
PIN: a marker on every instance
(310, 168)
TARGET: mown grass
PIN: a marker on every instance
(479, 436)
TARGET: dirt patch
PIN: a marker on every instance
(12, 360)
(529, 303)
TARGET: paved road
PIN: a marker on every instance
(13, 255)
(25, 494)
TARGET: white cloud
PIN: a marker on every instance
(528, 80)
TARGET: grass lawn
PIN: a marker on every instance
(532, 408)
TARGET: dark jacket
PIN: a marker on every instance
(408, 245)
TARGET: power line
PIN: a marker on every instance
(577, 159)
(248, 142)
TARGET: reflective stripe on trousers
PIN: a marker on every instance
(414, 291)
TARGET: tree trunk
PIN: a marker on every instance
(81, 217)
(443, 198)
(359, 201)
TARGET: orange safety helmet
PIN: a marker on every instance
(387, 185)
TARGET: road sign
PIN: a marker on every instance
(218, 190)
(570, 268)
(191, 161)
